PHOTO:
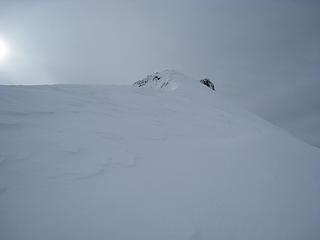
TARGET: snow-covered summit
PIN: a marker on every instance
(172, 80)
(167, 79)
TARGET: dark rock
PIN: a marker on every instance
(208, 83)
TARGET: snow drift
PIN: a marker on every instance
(121, 162)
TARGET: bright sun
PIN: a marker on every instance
(4, 50)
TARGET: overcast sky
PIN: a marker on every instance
(264, 54)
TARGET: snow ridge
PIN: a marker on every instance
(113, 162)
(167, 79)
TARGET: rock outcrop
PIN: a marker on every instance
(208, 83)
(171, 80)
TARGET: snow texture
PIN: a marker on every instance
(121, 162)
(168, 79)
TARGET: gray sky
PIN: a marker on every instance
(264, 54)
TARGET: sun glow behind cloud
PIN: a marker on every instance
(4, 50)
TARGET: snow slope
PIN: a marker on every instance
(122, 162)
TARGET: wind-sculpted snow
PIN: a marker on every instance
(168, 79)
(120, 162)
